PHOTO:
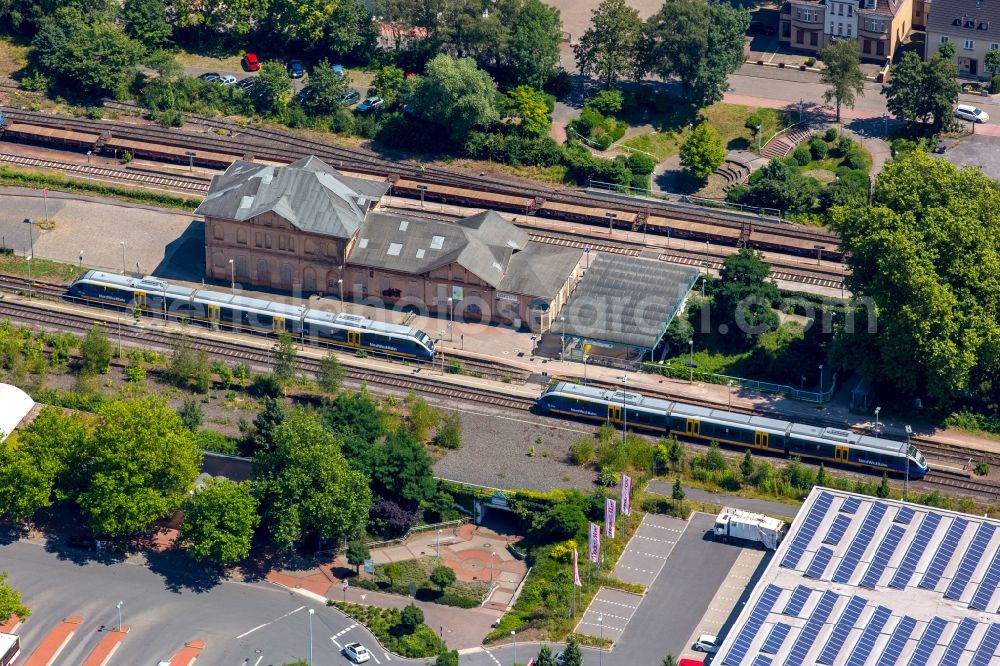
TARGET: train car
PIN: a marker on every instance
(354, 331)
(154, 297)
(715, 425)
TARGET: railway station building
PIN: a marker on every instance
(306, 228)
(864, 581)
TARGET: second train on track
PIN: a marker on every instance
(762, 433)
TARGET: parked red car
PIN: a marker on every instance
(250, 62)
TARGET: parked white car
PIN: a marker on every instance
(971, 113)
(706, 643)
(357, 653)
(227, 79)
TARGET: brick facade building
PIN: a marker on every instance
(306, 228)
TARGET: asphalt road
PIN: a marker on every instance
(166, 607)
(676, 601)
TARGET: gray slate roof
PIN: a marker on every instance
(308, 193)
(627, 300)
(485, 244)
(944, 13)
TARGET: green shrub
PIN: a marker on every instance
(810, 61)
(802, 155)
(582, 451)
(995, 84)
(981, 469)
(95, 112)
(606, 102)
(818, 148)
(211, 440)
(831, 134)
(639, 163)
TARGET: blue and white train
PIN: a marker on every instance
(713, 425)
(155, 297)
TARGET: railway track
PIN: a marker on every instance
(279, 146)
(235, 350)
(966, 486)
(105, 173)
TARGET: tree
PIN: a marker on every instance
(699, 44)
(146, 22)
(402, 470)
(572, 656)
(219, 521)
(273, 89)
(389, 519)
(349, 28)
(284, 354)
(95, 352)
(325, 90)
(992, 61)
(305, 485)
(449, 435)
(702, 152)
(88, 53)
(422, 417)
(608, 48)
(946, 50)
(530, 55)
(924, 256)
(747, 466)
(781, 185)
(393, 572)
(677, 492)
(10, 602)
(387, 84)
(188, 368)
(456, 94)
(545, 657)
(191, 414)
(271, 415)
(357, 553)
(443, 576)
(356, 419)
(531, 108)
(233, 19)
(822, 476)
(842, 73)
(745, 293)
(669, 661)
(331, 373)
(563, 521)
(140, 462)
(923, 92)
(411, 617)
(883, 488)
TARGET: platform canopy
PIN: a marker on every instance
(626, 300)
(15, 404)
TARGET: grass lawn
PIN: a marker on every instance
(727, 119)
(824, 176)
(226, 64)
(41, 269)
(13, 56)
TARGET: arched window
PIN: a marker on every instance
(309, 279)
(263, 271)
(242, 269)
(286, 275)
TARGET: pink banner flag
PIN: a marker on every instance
(576, 568)
(626, 495)
(595, 542)
(610, 510)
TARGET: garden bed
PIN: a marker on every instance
(417, 573)
(394, 636)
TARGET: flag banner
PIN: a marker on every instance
(626, 495)
(595, 542)
(610, 509)
(576, 568)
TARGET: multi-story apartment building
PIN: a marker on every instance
(879, 26)
(973, 26)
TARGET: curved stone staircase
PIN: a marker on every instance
(784, 144)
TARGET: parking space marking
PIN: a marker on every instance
(261, 626)
(338, 635)
(495, 660)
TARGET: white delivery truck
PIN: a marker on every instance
(738, 524)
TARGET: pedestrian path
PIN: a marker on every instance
(188, 654)
(102, 654)
(48, 650)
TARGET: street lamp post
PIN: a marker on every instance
(691, 362)
(232, 276)
(119, 606)
(122, 243)
(451, 317)
(190, 155)
(513, 637)
(439, 544)
(81, 258)
(562, 337)
(821, 379)
(819, 253)
(340, 288)
(877, 410)
(311, 613)
(624, 408)
(730, 385)
(31, 236)
(906, 478)
(600, 620)
(28, 259)
(885, 124)
(492, 555)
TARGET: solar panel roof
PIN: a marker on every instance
(891, 548)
